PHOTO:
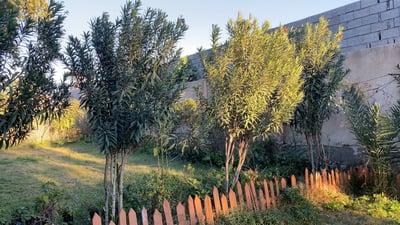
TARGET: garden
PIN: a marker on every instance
(132, 142)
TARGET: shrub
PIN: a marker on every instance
(294, 210)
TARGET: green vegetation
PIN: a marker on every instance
(124, 71)
(255, 83)
(29, 44)
(322, 74)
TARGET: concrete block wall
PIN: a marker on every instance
(366, 23)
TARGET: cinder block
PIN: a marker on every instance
(388, 24)
(370, 19)
(366, 29)
(346, 17)
(334, 20)
(368, 38)
(396, 3)
(353, 23)
(390, 33)
(397, 22)
(390, 14)
(367, 3)
(362, 12)
(380, 7)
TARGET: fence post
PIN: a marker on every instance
(272, 192)
(199, 209)
(122, 217)
(254, 196)
(192, 213)
(96, 220)
(283, 183)
(232, 199)
(293, 181)
(240, 193)
(157, 218)
(266, 193)
(167, 213)
(132, 217)
(224, 204)
(180, 211)
(145, 219)
(209, 210)
(249, 203)
(262, 200)
(217, 201)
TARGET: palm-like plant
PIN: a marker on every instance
(374, 131)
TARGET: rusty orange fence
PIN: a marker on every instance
(197, 211)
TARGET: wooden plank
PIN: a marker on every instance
(199, 209)
(240, 193)
(272, 192)
(232, 199)
(254, 196)
(337, 177)
(249, 202)
(167, 213)
(333, 181)
(145, 219)
(324, 178)
(217, 201)
(262, 200)
(209, 210)
(180, 211)
(157, 218)
(277, 187)
(132, 217)
(96, 220)
(122, 217)
(192, 211)
(283, 183)
(306, 175)
(312, 184)
(111, 223)
(224, 204)
(293, 182)
(266, 193)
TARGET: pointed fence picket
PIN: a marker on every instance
(197, 211)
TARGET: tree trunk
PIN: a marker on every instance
(124, 157)
(229, 151)
(310, 151)
(243, 148)
(106, 189)
(113, 169)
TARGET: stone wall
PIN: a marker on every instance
(366, 23)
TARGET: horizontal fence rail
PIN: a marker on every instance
(197, 211)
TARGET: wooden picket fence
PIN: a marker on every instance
(251, 198)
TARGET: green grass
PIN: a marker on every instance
(76, 168)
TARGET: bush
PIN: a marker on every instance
(294, 210)
(150, 190)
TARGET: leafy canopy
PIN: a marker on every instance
(27, 88)
(253, 78)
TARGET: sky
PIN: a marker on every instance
(200, 15)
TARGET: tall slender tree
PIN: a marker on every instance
(28, 46)
(125, 72)
(254, 79)
(322, 74)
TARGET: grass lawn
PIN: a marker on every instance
(78, 169)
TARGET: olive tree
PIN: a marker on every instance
(255, 85)
(124, 70)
